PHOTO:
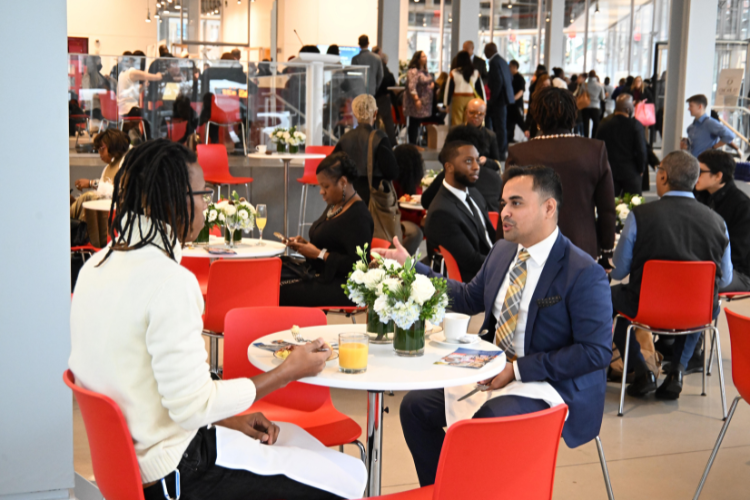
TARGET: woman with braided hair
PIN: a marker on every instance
(136, 337)
(587, 216)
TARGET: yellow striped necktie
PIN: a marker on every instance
(509, 314)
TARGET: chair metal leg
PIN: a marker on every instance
(605, 470)
(301, 210)
(354, 318)
(716, 447)
(624, 369)
(244, 143)
(362, 451)
(214, 355)
(304, 210)
(247, 192)
(208, 125)
(341, 448)
(711, 351)
(705, 340)
(721, 373)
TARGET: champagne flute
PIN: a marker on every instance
(233, 223)
(260, 221)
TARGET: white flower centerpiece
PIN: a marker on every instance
(237, 205)
(279, 137)
(211, 220)
(429, 177)
(362, 288)
(409, 300)
(291, 138)
(624, 204)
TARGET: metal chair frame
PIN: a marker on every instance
(715, 451)
(703, 328)
(303, 210)
(605, 469)
(716, 325)
(242, 128)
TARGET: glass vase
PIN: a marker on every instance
(409, 341)
(203, 236)
(281, 147)
(237, 236)
(293, 149)
(379, 332)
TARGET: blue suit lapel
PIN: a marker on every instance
(499, 269)
(551, 268)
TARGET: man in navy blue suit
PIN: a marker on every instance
(500, 83)
(547, 304)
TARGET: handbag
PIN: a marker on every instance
(295, 270)
(383, 205)
(645, 113)
(583, 99)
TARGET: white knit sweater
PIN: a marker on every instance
(136, 325)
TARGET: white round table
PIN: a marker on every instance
(287, 159)
(385, 372)
(98, 205)
(246, 249)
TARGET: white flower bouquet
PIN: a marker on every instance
(237, 205)
(429, 177)
(624, 204)
(288, 137)
(362, 288)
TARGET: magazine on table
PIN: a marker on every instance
(468, 358)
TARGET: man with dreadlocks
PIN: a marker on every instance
(588, 216)
(136, 337)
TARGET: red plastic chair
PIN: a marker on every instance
(308, 406)
(214, 161)
(199, 266)
(676, 298)
(380, 243)
(723, 297)
(108, 106)
(454, 272)
(233, 284)
(494, 218)
(112, 454)
(739, 334)
(225, 112)
(176, 129)
(472, 446)
(309, 178)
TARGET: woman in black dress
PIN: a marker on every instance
(334, 238)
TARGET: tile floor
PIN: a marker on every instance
(658, 450)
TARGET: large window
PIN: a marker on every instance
(515, 31)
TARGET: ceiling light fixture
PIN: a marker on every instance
(148, 12)
(597, 8)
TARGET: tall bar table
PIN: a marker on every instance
(385, 372)
(287, 159)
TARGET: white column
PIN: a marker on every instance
(192, 12)
(465, 25)
(692, 47)
(553, 42)
(36, 419)
(389, 13)
(403, 33)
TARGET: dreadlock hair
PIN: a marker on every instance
(554, 109)
(153, 181)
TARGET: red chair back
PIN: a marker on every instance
(739, 334)
(676, 295)
(225, 109)
(213, 160)
(108, 102)
(451, 265)
(312, 165)
(380, 243)
(470, 463)
(112, 454)
(199, 266)
(494, 217)
(240, 283)
(176, 129)
(244, 326)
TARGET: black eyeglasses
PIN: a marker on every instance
(704, 172)
(207, 194)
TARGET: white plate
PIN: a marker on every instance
(410, 206)
(430, 328)
(439, 337)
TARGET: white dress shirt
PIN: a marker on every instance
(455, 410)
(463, 196)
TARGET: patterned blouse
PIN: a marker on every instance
(418, 81)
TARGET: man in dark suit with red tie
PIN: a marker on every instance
(546, 304)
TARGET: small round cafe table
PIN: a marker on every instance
(385, 372)
(98, 205)
(287, 159)
(248, 248)
(96, 213)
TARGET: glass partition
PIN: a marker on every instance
(228, 102)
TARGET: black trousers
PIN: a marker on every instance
(385, 114)
(740, 283)
(632, 186)
(593, 114)
(423, 419)
(497, 115)
(515, 117)
(202, 479)
(412, 130)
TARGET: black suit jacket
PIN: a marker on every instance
(481, 66)
(451, 224)
(626, 146)
(500, 82)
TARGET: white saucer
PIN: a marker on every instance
(430, 328)
(439, 337)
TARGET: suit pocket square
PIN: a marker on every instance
(548, 301)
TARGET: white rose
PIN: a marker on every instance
(243, 214)
(372, 278)
(221, 217)
(388, 263)
(636, 200)
(286, 135)
(422, 289)
(361, 266)
(212, 215)
(393, 284)
(623, 212)
(230, 210)
(357, 277)
(222, 204)
(380, 304)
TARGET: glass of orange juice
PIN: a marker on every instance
(353, 350)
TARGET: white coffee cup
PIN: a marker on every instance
(455, 326)
(261, 149)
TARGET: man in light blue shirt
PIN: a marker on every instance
(675, 228)
(705, 132)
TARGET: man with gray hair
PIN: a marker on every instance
(677, 228)
(626, 146)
